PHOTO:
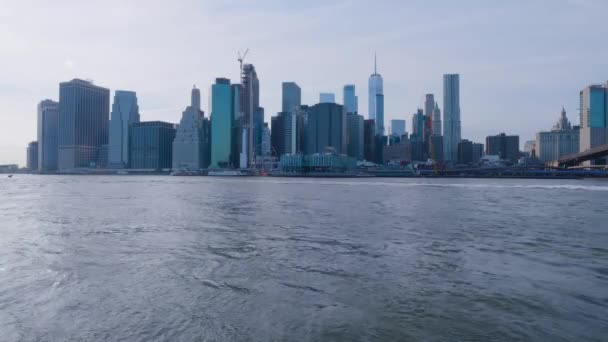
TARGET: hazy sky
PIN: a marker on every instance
(519, 61)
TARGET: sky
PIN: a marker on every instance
(519, 61)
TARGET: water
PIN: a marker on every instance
(127, 258)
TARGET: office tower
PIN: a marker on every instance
(32, 156)
(504, 146)
(451, 116)
(375, 87)
(289, 132)
(477, 152)
(369, 140)
(593, 118)
(258, 130)
(237, 90)
(277, 138)
(266, 140)
(397, 128)
(223, 114)
(125, 112)
(250, 102)
(292, 97)
(350, 99)
(151, 145)
(325, 128)
(355, 139)
(327, 98)
(465, 152)
(379, 114)
(436, 123)
(191, 138)
(418, 125)
(48, 125)
(84, 111)
(429, 105)
(436, 148)
(562, 140)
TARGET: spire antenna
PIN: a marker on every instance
(375, 65)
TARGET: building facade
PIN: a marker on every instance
(191, 143)
(327, 98)
(369, 140)
(436, 120)
(84, 111)
(222, 124)
(151, 145)
(250, 103)
(504, 146)
(292, 97)
(397, 128)
(32, 156)
(48, 125)
(562, 140)
(125, 112)
(451, 116)
(593, 118)
(355, 133)
(325, 127)
(351, 102)
(375, 88)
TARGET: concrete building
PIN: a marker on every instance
(593, 118)
(505, 146)
(327, 98)
(223, 120)
(191, 144)
(325, 127)
(151, 145)
(397, 128)
(48, 125)
(355, 136)
(292, 97)
(351, 102)
(32, 156)
(451, 116)
(125, 112)
(562, 140)
(84, 111)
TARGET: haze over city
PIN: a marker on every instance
(519, 62)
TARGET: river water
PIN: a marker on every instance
(130, 258)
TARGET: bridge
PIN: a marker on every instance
(577, 158)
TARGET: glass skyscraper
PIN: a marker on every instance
(327, 98)
(191, 139)
(48, 125)
(397, 128)
(593, 117)
(355, 131)
(325, 128)
(250, 102)
(84, 110)
(222, 123)
(350, 99)
(125, 112)
(379, 114)
(451, 116)
(375, 88)
(151, 145)
(292, 97)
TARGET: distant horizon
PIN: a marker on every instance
(513, 78)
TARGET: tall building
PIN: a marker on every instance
(562, 140)
(465, 152)
(451, 116)
(369, 140)
(504, 146)
(84, 111)
(325, 128)
(350, 99)
(266, 140)
(48, 125)
(191, 143)
(327, 98)
(429, 108)
(125, 112)
(477, 152)
(223, 114)
(258, 130)
(593, 118)
(355, 135)
(375, 87)
(397, 128)
(277, 135)
(436, 120)
(436, 148)
(32, 156)
(292, 97)
(250, 103)
(418, 125)
(151, 145)
(379, 114)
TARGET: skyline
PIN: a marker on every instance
(521, 77)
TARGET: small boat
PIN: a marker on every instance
(10, 176)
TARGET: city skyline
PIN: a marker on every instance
(520, 79)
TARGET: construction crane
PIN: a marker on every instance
(241, 57)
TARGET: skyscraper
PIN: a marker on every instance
(48, 124)
(505, 146)
(189, 146)
(32, 156)
(266, 140)
(429, 106)
(325, 128)
(125, 112)
(277, 136)
(436, 120)
(397, 128)
(379, 114)
(369, 140)
(84, 111)
(292, 97)
(250, 102)
(593, 117)
(222, 123)
(327, 98)
(375, 87)
(350, 99)
(151, 145)
(355, 130)
(451, 116)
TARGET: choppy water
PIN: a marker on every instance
(126, 258)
